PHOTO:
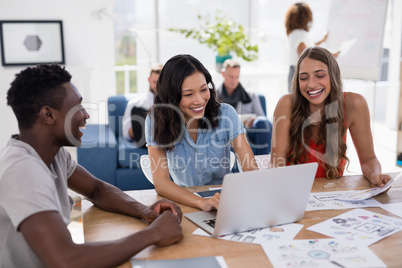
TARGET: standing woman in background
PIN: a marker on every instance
(298, 22)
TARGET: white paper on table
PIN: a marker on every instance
(221, 261)
(320, 253)
(195, 262)
(201, 232)
(395, 208)
(359, 226)
(367, 193)
(329, 200)
(261, 235)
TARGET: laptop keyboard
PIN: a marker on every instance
(210, 222)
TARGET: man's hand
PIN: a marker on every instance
(248, 123)
(167, 229)
(150, 213)
(131, 133)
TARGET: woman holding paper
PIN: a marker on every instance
(298, 22)
(312, 121)
(189, 134)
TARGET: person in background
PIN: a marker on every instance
(259, 129)
(312, 121)
(36, 170)
(298, 22)
(189, 134)
(136, 110)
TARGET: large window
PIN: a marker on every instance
(125, 47)
(142, 38)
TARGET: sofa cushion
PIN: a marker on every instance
(116, 106)
(129, 154)
(263, 103)
(98, 152)
(132, 179)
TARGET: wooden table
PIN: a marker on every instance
(101, 226)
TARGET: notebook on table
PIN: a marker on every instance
(259, 199)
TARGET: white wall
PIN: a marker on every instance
(88, 48)
(267, 75)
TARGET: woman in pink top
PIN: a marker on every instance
(311, 122)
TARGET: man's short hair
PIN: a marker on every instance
(230, 63)
(156, 68)
(34, 88)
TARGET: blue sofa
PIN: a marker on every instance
(107, 155)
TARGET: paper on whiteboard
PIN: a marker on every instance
(346, 46)
(364, 21)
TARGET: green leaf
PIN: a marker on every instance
(223, 35)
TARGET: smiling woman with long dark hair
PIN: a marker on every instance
(189, 133)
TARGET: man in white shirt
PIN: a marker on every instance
(36, 170)
(136, 109)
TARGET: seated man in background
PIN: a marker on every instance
(137, 108)
(248, 106)
(36, 170)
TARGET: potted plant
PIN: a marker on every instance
(224, 36)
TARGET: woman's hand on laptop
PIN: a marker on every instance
(210, 203)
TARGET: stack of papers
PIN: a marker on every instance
(261, 235)
(347, 199)
(334, 200)
(352, 232)
(320, 253)
(367, 193)
(359, 227)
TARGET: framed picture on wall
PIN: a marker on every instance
(31, 42)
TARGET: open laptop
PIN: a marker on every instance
(259, 199)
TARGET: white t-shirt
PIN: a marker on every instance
(294, 39)
(28, 186)
(144, 101)
(253, 107)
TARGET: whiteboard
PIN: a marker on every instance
(356, 29)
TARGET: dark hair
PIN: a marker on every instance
(34, 88)
(167, 120)
(335, 145)
(297, 17)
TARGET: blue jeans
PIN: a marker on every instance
(260, 135)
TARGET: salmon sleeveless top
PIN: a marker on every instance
(317, 150)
